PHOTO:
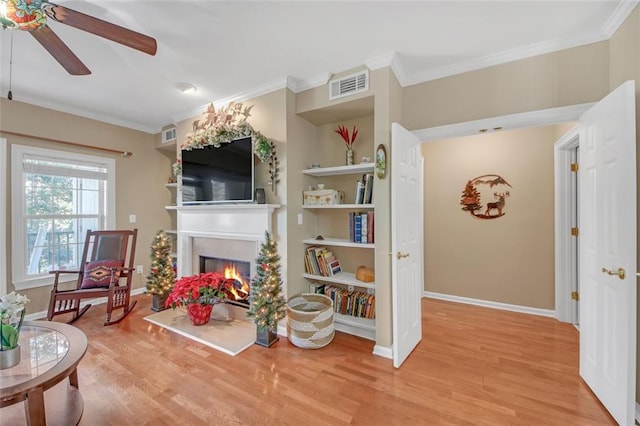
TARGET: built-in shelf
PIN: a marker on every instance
(170, 231)
(362, 327)
(340, 206)
(344, 278)
(340, 170)
(171, 185)
(171, 207)
(338, 242)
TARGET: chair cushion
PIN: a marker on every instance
(98, 273)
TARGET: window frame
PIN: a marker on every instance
(18, 240)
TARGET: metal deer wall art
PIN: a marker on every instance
(483, 186)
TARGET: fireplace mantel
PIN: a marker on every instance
(245, 222)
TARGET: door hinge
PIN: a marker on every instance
(574, 167)
(575, 232)
(575, 295)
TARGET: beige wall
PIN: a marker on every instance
(509, 259)
(139, 182)
(624, 62)
(567, 77)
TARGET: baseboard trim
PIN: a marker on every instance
(383, 351)
(490, 304)
(42, 315)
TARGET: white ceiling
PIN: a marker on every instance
(233, 48)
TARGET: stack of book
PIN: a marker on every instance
(361, 226)
(355, 303)
(321, 261)
(364, 189)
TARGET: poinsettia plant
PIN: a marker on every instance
(344, 134)
(207, 288)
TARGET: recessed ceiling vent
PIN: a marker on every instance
(349, 85)
(169, 135)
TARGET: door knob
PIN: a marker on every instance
(402, 255)
(620, 272)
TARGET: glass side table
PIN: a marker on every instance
(50, 352)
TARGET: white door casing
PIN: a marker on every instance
(406, 241)
(607, 214)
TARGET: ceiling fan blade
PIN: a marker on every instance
(60, 51)
(101, 28)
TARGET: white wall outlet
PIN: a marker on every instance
(132, 218)
(299, 218)
(139, 270)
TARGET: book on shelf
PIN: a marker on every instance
(316, 288)
(320, 261)
(354, 303)
(361, 227)
(364, 189)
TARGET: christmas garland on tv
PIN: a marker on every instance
(224, 126)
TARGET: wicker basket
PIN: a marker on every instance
(310, 320)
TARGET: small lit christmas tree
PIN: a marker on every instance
(161, 274)
(267, 305)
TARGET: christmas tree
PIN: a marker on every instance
(267, 303)
(161, 274)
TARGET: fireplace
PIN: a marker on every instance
(238, 273)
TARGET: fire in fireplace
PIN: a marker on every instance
(238, 271)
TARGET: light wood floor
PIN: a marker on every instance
(474, 366)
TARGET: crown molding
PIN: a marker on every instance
(86, 114)
(263, 89)
(621, 12)
(316, 81)
(503, 57)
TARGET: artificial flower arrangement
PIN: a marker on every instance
(207, 288)
(224, 126)
(12, 310)
(344, 134)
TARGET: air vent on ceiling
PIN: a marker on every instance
(169, 135)
(349, 85)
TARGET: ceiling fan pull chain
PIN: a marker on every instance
(10, 95)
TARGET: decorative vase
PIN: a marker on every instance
(158, 302)
(199, 314)
(9, 357)
(266, 337)
(349, 157)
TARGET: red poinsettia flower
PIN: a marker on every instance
(207, 288)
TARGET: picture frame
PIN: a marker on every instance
(381, 161)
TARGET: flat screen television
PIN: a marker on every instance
(219, 175)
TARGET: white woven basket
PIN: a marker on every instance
(310, 320)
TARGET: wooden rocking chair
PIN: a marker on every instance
(106, 270)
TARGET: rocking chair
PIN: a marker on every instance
(106, 270)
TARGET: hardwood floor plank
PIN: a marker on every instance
(474, 366)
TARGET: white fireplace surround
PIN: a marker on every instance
(216, 230)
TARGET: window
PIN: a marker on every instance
(56, 197)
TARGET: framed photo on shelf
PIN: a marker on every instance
(381, 161)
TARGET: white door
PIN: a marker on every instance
(607, 200)
(406, 241)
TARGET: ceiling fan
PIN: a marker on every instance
(31, 15)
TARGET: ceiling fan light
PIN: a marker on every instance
(186, 88)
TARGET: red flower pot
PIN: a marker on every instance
(198, 314)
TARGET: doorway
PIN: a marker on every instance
(563, 287)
